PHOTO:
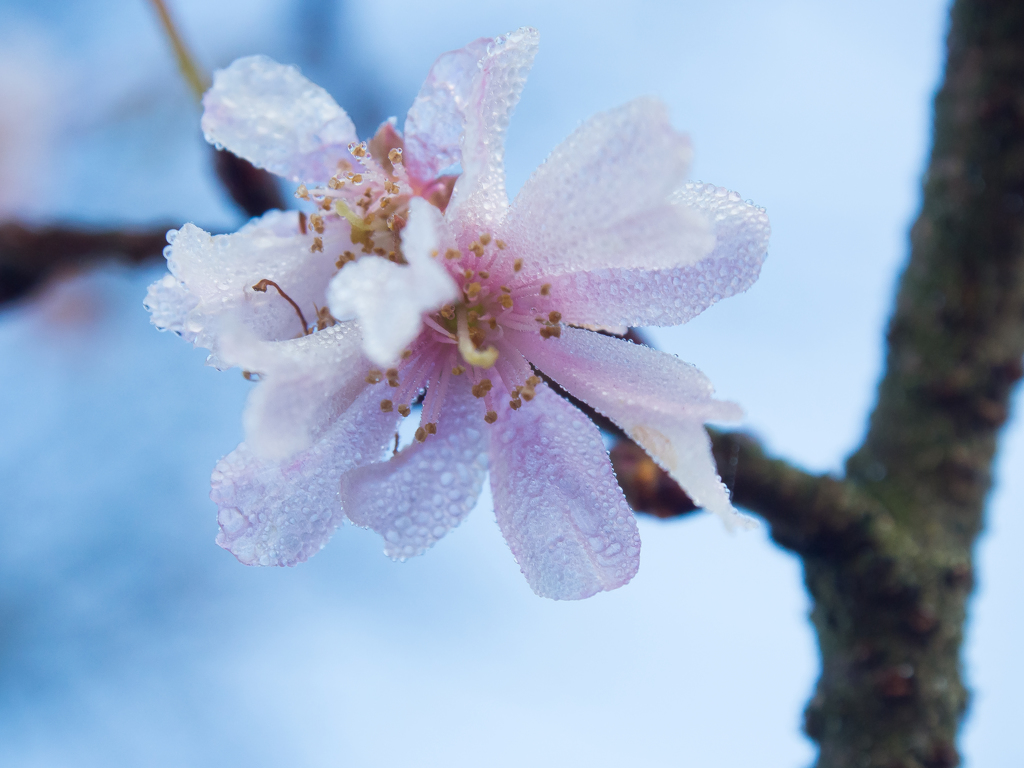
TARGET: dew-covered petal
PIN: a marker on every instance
(169, 302)
(282, 513)
(305, 384)
(276, 119)
(558, 504)
(389, 299)
(437, 118)
(415, 498)
(635, 297)
(219, 272)
(661, 402)
(479, 199)
(602, 199)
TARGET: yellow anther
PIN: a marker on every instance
(481, 388)
(517, 264)
(385, 202)
(515, 403)
(554, 317)
(379, 251)
(406, 354)
(421, 434)
(485, 238)
(458, 370)
(493, 324)
(359, 150)
(344, 259)
(506, 301)
(477, 249)
(404, 410)
(549, 331)
(473, 290)
(484, 274)
(433, 253)
(545, 290)
(373, 377)
(447, 312)
(302, 193)
(467, 273)
(533, 381)
(318, 222)
(357, 178)
(451, 253)
(386, 406)
(490, 417)
(335, 183)
(318, 245)
(506, 289)
(431, 428)
(395, 156)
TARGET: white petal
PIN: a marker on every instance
(389, 299)
(169, 303)
(276, 119)
(305, 384)
(479, 198)
(637, 296)
(283, 512)
(658, 400)
(219, 271)
(557, 502)
(415, 498)
(602, 199)
(437, 118)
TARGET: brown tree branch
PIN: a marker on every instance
(887, 551)
(29, 256)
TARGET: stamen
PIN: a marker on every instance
(458, 370)
(551, 331)
(404, 410)
(302, 223)
(386, 406)
(302, 193)
(490, 417)
(421, 433)
(261, 287)
(318, 245)
(554, 317)
(431, 428)
(485, 238)
(395, 156)
(451, 253)
(374, 376)
(517, 264)
(545, 290)
(501, 246)
(481, 388)
(318, 223)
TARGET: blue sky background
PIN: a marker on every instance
(127, 638)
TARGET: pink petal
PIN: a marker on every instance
(479, 199)
(636, 297)
(276, 119)
(219, 271)
(657, 399)
(602, 199)
(426, 490)
(557, 502)
(282, 513)
(437, 118)
(304, 385)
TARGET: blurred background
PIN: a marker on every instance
(127, 638)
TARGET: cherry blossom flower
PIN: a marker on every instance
(414, 285)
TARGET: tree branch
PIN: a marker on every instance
(29, 256)
(887, 551)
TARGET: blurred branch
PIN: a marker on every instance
(887, 551)
(28, 256)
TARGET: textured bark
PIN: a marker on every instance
(887, 551)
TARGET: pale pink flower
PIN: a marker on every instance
(461, 299)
